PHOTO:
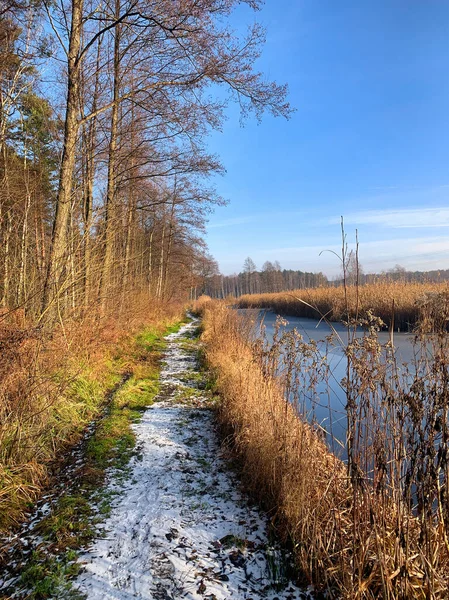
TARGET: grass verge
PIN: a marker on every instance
(75, 515)
(53, 383)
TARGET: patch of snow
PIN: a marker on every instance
(180, 528)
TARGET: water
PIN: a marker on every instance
(312, 329)
(324, 405)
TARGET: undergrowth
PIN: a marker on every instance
(52, 386)
(116, 395)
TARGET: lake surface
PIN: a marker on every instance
(325, 405)
(312, 329)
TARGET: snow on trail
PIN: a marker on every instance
(180, 528)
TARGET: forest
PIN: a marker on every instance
(272, 278)
(104, 111)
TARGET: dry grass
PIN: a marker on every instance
(355, 535)
(51, 386)
(382, 299)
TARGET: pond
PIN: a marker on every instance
(325, 407)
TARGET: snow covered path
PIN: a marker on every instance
(180, 528)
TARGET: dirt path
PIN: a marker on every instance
(180, 528)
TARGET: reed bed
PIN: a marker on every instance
(398, 304)
(371, 526)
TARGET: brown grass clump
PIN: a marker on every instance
(355, 534)
(52, 384)
(383, 299)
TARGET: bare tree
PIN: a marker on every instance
(249, 269)
(179, 48)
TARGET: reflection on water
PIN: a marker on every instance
(324, 402)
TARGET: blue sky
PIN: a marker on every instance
(369, 140)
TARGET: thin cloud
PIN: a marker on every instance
(399, 218)
(411, 245)
(413, 253)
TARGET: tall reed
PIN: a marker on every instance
(375, 524)
(398, 304)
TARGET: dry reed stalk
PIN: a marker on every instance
(379, 298)
(354, 538)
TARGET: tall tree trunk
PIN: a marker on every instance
(170, 241)
(89, 141)
(167, 259)
(161, 264)
(21, 291)
(6, 264)
(87, 219)
(37, 243)
(73, 286)
(129, 228)
(5, 210)
(59, 243)
(150, 264)
(111, 184)
(130, 213)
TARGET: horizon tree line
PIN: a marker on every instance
(272, 278)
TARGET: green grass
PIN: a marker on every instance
(48, 577)
(150, 339)
(74, 519)
(69, 524)
(185, 393)
(113, 442)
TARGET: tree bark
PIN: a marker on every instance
(161, 264)
(111, 184)
(150, 264)
(89, 142)
(59, 244)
